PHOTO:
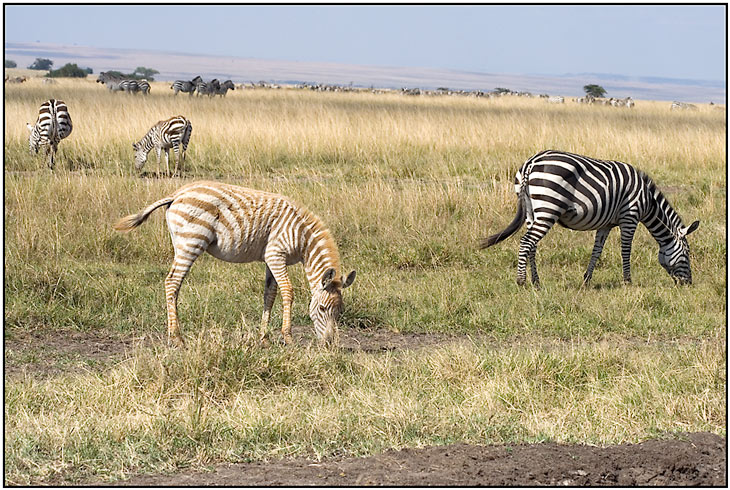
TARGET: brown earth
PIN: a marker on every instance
(697, 459)
(694, 459)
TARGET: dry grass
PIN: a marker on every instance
(408, 186)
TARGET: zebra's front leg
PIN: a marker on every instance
(277, 265)
(601, 236)
(270, 290)
(627, 237)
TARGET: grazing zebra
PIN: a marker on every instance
(556, 99)
(583, 193)
(682, 106)
(53, 125)
(170, 133)
(184, 86)
(241, 225)
(225, 87)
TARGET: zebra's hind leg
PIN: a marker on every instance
(528, 249)
(601, 236)
(185, 255)
(270, 291)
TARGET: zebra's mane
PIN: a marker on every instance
(668, 215)
(314, 226)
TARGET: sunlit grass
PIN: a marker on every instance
(408, 186)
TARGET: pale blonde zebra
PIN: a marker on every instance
(171, 133)
(240, 225)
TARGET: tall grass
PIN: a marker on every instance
(407, 186)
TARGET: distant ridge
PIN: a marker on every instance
(185, 66)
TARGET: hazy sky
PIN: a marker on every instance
(655, 40)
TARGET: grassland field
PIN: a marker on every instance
(408, 186)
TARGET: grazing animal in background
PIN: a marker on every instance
(53, 125)
(242, 225)
(583, 194)
(556, 99)
(184, 86)
(143, 86)
(171, 133)
(676, 105)
(224, 87)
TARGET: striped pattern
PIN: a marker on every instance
(236, 224)
(225, 87)
(185, 86)
(583, 193)
(53, 125)
(171, 133)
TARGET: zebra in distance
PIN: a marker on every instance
(143, 86)
(225, 87)
(556, 99)
(171, 133)
(208, 88)
(53, 125)
(186, 86)
(583, 194)
(676, 105)
(241, 225)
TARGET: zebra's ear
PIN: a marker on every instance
(327, 278)
(134, 145)
(350, 279)
(30, 128)
(691, 228)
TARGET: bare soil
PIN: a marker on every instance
(698, 459)
(694, 459)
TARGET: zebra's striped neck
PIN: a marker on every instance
(662, 220)
(319, 252)
(147, 142)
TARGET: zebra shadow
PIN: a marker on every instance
(156, 175)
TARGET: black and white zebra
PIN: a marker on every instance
(143, 86)
(171, 133)
(185, 86)
(53, 125)
(208, 88)
(583, 194)
(225, 87)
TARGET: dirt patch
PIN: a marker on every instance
(42, 353)
(696, 459)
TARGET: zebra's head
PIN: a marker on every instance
(140, 155)
(674, 255)
(325, 307)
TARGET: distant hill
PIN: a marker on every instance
(185, 66)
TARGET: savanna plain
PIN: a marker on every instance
(408, 186)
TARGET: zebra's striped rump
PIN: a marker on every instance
(236, 224)
(53, 125)
(582, 193)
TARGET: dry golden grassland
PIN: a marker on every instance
(408, 186)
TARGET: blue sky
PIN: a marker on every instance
(654, 40)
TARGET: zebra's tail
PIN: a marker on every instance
(128, 223)
(511, 229)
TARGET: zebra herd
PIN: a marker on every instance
(201, 87)
(129, 86)
(611, 101)
(237, 224)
